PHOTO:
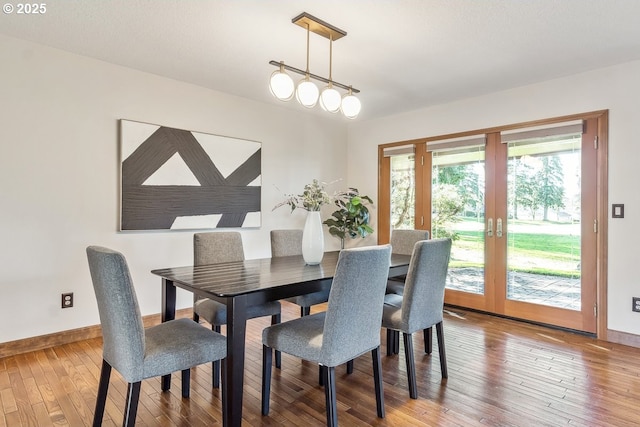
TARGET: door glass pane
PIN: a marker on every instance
(457, 199)
(543, 232)
(403, 192)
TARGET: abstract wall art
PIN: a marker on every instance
(179, 179)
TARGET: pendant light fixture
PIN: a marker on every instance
(330, 98)
(281, 84)
(350, 105)
(307, 91)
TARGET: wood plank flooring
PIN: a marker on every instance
(501, 373)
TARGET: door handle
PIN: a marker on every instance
(490, 227)
(499, 227)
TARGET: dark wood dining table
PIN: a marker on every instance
(242, 284)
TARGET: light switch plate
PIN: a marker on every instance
(617, 211)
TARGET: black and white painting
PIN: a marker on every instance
(179, 179)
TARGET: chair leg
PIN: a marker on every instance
(103, 387)
(266, 378)
(321, 375)
(428, 340)
(393, 342)
(186, 382)
(443, 355)
(330, 395)
(196, 316)
(275, 319)
(165, 382)
(350, 367)
(396, 342)
(215, 365)
(411, 366)
(305, 311)
(377, 380)
(131, 404)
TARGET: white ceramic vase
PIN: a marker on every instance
(313, 239)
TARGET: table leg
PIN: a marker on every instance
(234, 371)
(168, 313)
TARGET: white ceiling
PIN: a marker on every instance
(402, 54)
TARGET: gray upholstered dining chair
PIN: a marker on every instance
(402, 242)
(288, 243)
(349, 328)
(216, 248)
(421, 306)
(135, 352)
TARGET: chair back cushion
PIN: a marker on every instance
(423, 297)
(354, 311)
(286, 242)
(217, 247)
(403, 241)
(122, 328)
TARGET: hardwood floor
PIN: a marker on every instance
(501, 373)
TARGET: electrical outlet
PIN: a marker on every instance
(67, 300)
(635, 304)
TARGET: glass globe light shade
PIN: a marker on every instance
(351, 106)
(281, 85)
(330, 99)
(307, 93)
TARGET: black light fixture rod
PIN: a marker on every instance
(313, 76)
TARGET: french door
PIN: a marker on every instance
(521, 205)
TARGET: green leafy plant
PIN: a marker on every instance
(448, 205)
(352, 216)
(312, 198)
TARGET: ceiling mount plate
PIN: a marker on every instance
(318, 26)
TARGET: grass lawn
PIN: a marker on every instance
(548, 251)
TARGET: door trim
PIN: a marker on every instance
(602, 117)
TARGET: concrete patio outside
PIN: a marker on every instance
(553, 291)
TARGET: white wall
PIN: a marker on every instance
(615, 88)
(59, 170)
(59, 176)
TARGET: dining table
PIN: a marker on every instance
(242, 284)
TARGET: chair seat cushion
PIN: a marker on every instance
(393, 299)
(395, 287)
(299, 337)
(392, 316)
(179, 344)
(216, 313)
(311, 299)
(392, 313)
